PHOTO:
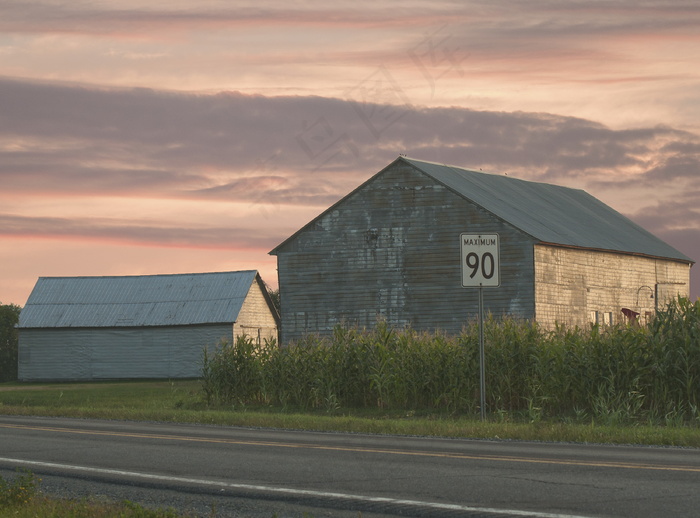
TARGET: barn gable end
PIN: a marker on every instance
(390, 250)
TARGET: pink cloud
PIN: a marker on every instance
(474, 84)
(134, 233)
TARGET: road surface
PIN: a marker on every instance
(262, 472)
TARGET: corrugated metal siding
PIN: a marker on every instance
(149, 300)
(119, 353)
(551, 213)
(391, 250)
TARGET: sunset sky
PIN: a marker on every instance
(194, 136)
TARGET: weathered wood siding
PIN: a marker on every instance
(578, 287)
(391, 251)
(255, 318)
(116, 353)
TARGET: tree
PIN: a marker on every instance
(9, 316)
(275, 297)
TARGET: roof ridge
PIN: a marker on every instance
(133, 276)
(490, 174)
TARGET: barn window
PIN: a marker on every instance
(601, 318)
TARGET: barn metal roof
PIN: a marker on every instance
(134, 301)
(551, 213)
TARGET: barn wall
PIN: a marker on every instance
(391, 251)
(115, 353)
(255, 318)
(578, 287)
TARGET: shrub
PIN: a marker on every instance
(20, 491)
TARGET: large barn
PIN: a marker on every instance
(150, 326)
(391, 250)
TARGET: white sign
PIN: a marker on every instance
(481, 266)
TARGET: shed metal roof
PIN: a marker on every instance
(551, 213)
(135, 301)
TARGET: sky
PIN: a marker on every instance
(187, 136)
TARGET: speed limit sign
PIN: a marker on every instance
(480, 260)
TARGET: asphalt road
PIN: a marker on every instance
(262, 472)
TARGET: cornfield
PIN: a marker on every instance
(610, 374)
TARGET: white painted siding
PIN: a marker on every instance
(255, 318)
(578, 287)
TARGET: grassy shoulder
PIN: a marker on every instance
(183, 402)
(20, 498)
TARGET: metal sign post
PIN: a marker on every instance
(482, 356)
(481, 267)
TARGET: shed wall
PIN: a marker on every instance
(578, 287)
(391, 251)
(116, 353)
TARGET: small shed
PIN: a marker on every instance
(390, 250)
(147, 326)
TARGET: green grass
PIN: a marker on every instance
(183, 402)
